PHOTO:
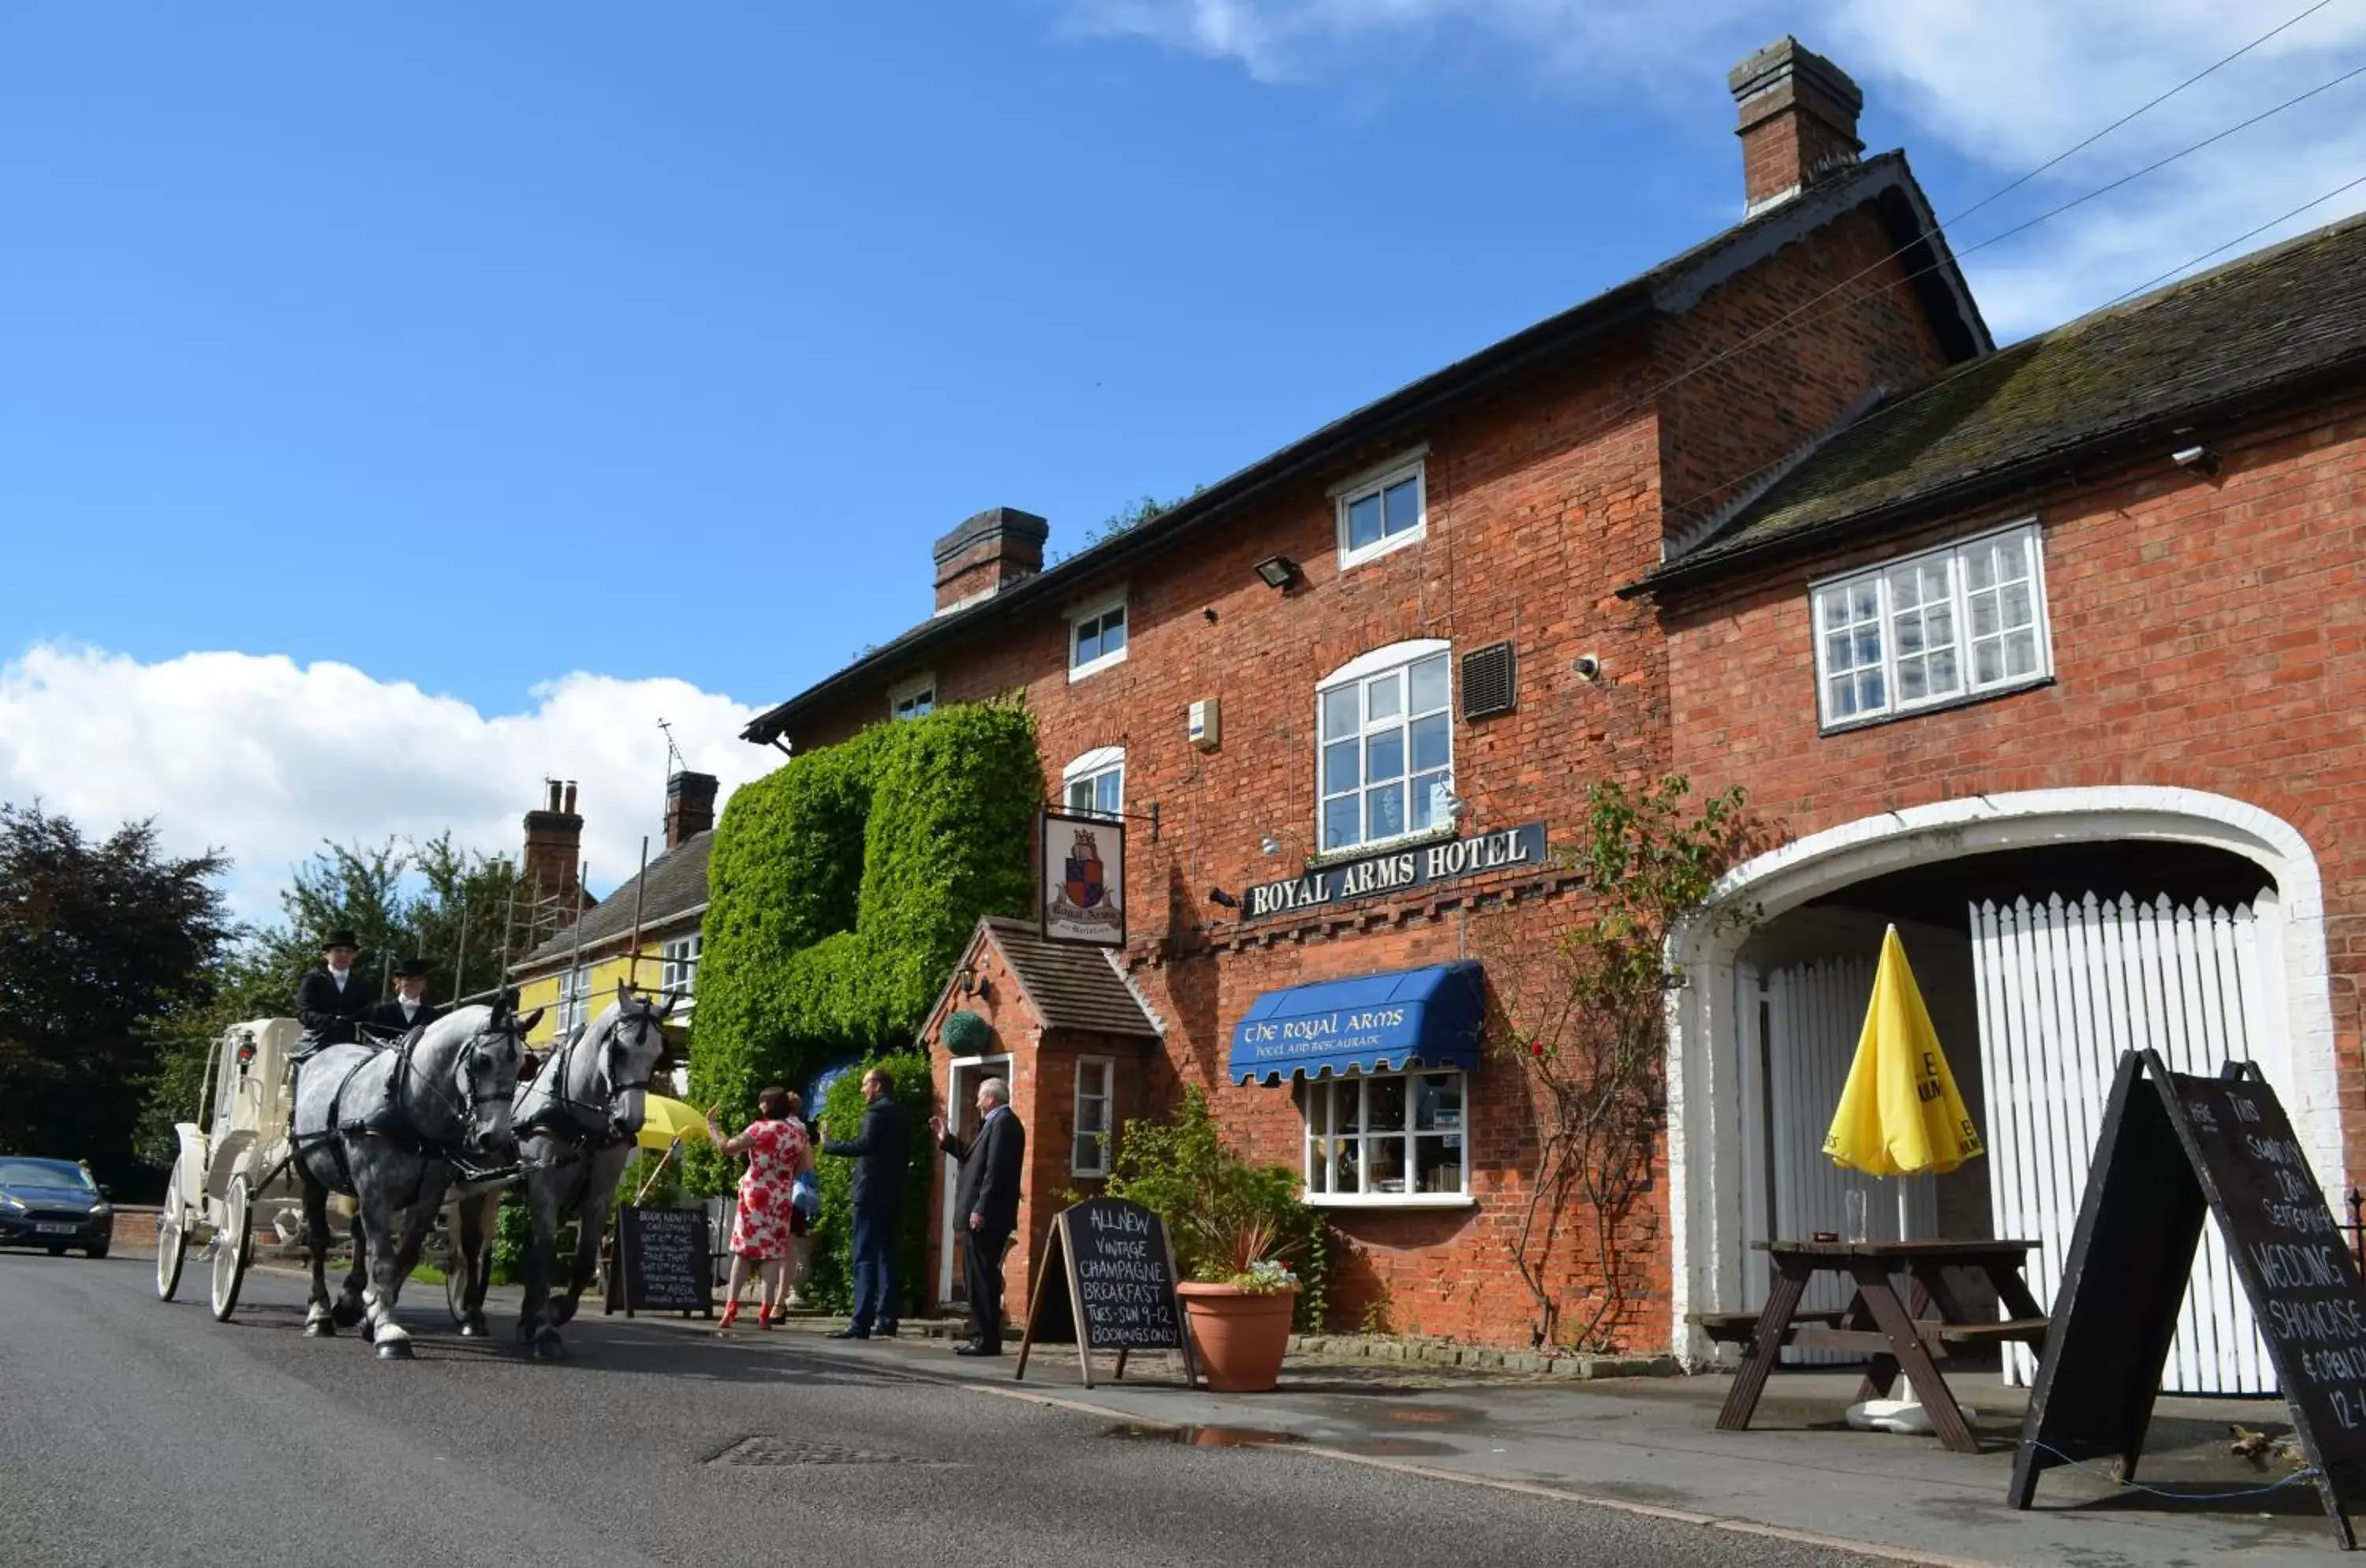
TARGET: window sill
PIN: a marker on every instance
(1347, 852)
(1075, 1175)
(1350, 559)
(1944, 704)
(1078, 672)
(1391, 1201)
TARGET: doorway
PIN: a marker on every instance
(961, 1119)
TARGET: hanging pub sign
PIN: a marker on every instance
(1449, 860)
(2174, 1149)
(1081, 861)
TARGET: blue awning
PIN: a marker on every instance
(1433, 1017)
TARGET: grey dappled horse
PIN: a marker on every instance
(389, 1126)
(576, 1123)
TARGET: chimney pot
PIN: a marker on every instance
(1798, 120)
(988, 553)
(554, 792)
(570, 808)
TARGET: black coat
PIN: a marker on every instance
(387, 1016)
(882, 1152)
(328, 1014)
(990, 1166)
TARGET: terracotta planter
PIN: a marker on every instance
(1238, 1337)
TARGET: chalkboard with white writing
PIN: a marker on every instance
(2174, 1146)
(662, 1260)
(1107, 1281)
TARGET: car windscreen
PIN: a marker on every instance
(44, 1173)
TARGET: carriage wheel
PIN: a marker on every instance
(233, 1249)
(171, 1239)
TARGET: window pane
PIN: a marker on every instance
(1383, 698)
(1429, 793)
(1109, 791)
(1113, 630)
(1943, 675)
(1387, 810)
(2020, 653)
(1429, 684)
(1318, 1109)
(1385, 1171)
(1403, 504)
(1831, 605)
(1868, 645)
(1339, 767)
(1385, 1099)
(1347, 1174)
(1089, 643)
(1364, 522)
(1869, 690)
(1318, 1166)
(1385, 756)
(1080, 795)
(1340, 826)
(1910, 687)
(1349, 1104)
(1837, 649)
(1437, 1165)
(1843, 697)
(1339, 713)
(1437, 1102)
(1935, 582)
(1864, 600)
(1980, 566)
(1910, 634)
(1431, 747)
(1904, 584)
(1987, 662)
(2016, 604)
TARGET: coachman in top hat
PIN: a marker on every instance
(333, 998)
(408, 1007)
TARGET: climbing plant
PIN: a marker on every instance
(840, 890)
(1652, 859)
(831, 1282)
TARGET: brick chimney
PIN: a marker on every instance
(1798, 121)
(987, 554)
(690, 807)
(554, 847)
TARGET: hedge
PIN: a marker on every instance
(830, 1281)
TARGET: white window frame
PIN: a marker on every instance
(574, 1000)
(1107, 1068)
(678, 971)
(1092, 611)
(1093, 766)
(1413, 466)
(905, 692)
(1889, 615)
(1332, 1087)
(1396, 659)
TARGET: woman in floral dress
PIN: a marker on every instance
(777, 1150)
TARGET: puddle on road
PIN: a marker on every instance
(1389, 1448)
(1205, 1436)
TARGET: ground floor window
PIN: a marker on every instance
(574, 1000)
(1387, 1135)
(1091, 1154)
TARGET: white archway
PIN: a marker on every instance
(1704, 1064)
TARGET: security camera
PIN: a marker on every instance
(1588, 666)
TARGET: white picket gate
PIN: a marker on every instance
(2064, 989)
(1812, 1016)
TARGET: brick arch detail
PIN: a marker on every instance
(1703, 1081)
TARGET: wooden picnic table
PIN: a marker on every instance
(1901, 1334)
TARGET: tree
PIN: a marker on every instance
(101, 945)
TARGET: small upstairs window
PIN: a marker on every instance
(1097, 638)
(916, 698)
(1934, 628)
(1381, 511)
(1384, 762)
(1094, 784)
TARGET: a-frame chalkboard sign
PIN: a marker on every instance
(2174, 1147)
(1107, 1281)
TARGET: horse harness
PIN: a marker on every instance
(587, 1130)
(387, 1120)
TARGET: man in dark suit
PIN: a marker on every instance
(881, 1153)
(332, 999)
(408, 1007)
(985, 1205)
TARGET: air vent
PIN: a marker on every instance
(1488, 681)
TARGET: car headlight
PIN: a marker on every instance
(98, 1208)
(9, 1202)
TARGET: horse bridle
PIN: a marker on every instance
(590, 1120)
(406, 1072)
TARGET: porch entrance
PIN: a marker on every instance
(961, 1118)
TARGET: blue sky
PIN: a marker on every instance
(481, 347)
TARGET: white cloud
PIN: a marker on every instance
(2004, 85)
(266, 759)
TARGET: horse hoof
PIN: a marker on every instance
(473, 1328)
(320, 1328)
(561, 1311)
(394, 1351)
(345, 1314)
(546, 1347)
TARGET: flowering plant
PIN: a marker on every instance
(1241, 1253)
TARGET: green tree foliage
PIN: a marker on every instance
(103, 946)
(1181, 1169)
(842, 887)
(831, 1281)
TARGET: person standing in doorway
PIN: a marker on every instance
(332, 1000)
(985, 1204)
(408, 1007)
(881, 1153)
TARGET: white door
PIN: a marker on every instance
(961, 1118)
(1799, 1029)
(2064, 989)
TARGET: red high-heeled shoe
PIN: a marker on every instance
(764, 1318)
(730, 1315)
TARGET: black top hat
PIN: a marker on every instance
(412, 969)
(341, 937)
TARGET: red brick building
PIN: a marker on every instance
(1362, 687)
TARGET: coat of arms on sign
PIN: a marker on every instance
(1083, 879)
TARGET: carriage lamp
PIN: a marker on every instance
(245, 1051)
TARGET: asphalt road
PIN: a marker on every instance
(137, 1432)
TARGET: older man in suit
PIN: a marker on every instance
(408, 1007)
(331, 1000)
(985, 1204)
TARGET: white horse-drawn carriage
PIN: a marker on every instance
(233, 1166)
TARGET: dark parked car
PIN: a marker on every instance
(52, 1203)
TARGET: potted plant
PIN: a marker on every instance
(1238, 1304)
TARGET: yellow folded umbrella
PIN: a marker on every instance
(663, 1121)
(1900, 1114)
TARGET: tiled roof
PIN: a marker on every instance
(1071, 986)
(1675, 286)
(2246, 331)
(674, 885)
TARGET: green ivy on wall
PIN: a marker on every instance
(830, 1281)
(841, 890)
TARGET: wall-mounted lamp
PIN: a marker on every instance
(1279, 571)
(1222, 899)
(2198, 458)
(1275, 841)
(970, 983)
(1456, 809)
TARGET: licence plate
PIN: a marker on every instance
(54, 1227)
